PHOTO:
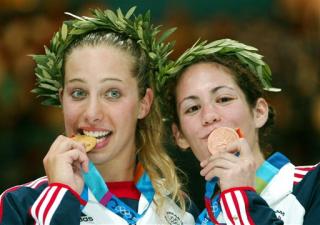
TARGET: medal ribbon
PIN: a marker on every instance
(211, 212)
(99, 188)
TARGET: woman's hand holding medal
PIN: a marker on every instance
(231, 161)
(66, 159)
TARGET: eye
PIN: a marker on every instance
(224, 99)
(78, 94)
(113, 94)
(192, 109)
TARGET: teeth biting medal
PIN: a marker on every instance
(88, 141)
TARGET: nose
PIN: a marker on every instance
(94, 111)
(209, 115)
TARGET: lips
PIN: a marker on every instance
(206, 136)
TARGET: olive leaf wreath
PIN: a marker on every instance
(49, 66)
(247, 55)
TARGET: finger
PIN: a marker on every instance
(79, 145)
(57, 142)
(205, 162)
(55, 148)
(63, 143)
(222, 163)
(85, 166)
(223, 155)
(78, 167)
(69, 144)
(77, 156)
(241, 146)
(217, 156)
(216, 172)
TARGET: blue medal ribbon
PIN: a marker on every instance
(99, 188)
(211, 212)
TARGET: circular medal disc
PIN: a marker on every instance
(220, 137)
(89, 142)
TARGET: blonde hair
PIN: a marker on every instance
(156, 161)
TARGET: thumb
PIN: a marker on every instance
(240, 147)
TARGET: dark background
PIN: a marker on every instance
(287, 32)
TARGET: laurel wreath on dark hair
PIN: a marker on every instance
(49, 66)
(246, 54)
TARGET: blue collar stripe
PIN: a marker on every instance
(145, 187)
(266, 171)
(278, 160)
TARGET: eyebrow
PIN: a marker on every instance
(214, 90)
(103, 80)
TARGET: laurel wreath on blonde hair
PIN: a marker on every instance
(49, 66)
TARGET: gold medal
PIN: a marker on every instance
(88, 141)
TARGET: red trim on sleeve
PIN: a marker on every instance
(46, 202)
(2, 196)
(237, 206)
(82, 202)
(245, 188)
(306, 168)
(226, 207)
(41, 201)
(237, 200)
(50, 203)
(246, 201)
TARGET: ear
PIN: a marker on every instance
(179, 137)
(60, 95)
(261, 112)
(145, 104)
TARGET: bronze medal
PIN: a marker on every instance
(220, 137)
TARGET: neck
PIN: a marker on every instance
(118, 170)
(259, 158)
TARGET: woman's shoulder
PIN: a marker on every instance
(306, 184)
(306, 173)
(30, 189)
(19, 198)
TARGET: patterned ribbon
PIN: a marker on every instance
(99, 188)
(211, 212)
